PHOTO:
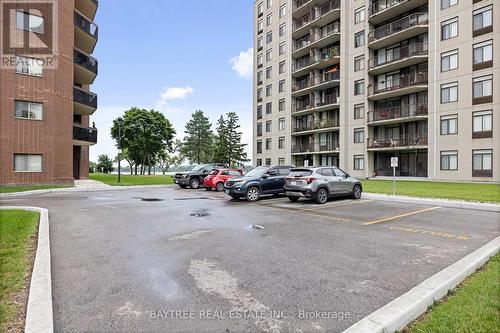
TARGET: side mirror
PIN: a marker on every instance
(265, 176)
(347, 175)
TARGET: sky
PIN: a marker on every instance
(174, 56)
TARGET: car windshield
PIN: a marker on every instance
(198, 167)
(256, 172)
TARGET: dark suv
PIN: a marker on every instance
(259, 181)
(194, 178)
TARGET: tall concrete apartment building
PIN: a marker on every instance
(354, 83)
(45, 130)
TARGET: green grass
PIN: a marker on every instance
(473, 307)
(16, 229)
(128, 180)
(23, 188)
(427, 189)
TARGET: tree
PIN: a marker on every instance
(221, 142)
(237, 154)
(197, 144)
(104, 163)
(92, 167)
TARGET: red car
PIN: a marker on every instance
(218, 177)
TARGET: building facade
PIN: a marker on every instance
(355, 83)
(45, 107)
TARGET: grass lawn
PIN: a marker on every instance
(128, 180)
(17, 243)
(474, 306)
(23, 188)
(461, 191)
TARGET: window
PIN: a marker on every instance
(449, 92)
(281, 105)
(359, 87)
(282, 48)
(260, 60)
(269, 19)
(259, 111)
(29, 22)
(449, 124)
(449, 29)
(282, 67)
(269, 3)
(269, 108)
(260, 77)
(281, 161)
(281, 142)
(260, 9)
(259, 147)
(483, 52)
(268, 161)
(259, 129)
(269, 55)
(359, 111)
(282, 29)
(359, 15)
(28, 66)
(281, 124)
(359, 162)
(259, 95)
(27, 163)
(449, 160)
(269, 125)
(448, 3)
(269, 37)
(359, 63)
(260, 26)
(269, 90)
(483, 18)
(260, 43)
(449, 60)
(269, 72)
(483, 86)
(359, 39)
(482, 163)
(482, 121)
(29, 110)
(281, 86)
(282, 11)
(268, 144)
(259, 162)
(359, 135)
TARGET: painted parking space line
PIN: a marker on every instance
(401, 215)
(281, 209)
(343, 203)
(429, 232)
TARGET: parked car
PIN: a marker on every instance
(218, 177)
(195, 177)
(262, 180)
(321, 183)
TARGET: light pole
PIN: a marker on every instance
(119, 151)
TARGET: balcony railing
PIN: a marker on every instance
(378, 6)
(303, 106)
(399, 53)
(329, 30)
(85, 61)
(401, 141)
(316, 147)
(83, 133)
(316, 80)
(399, 83)
(316, 14)
(396, 112)
(314, 60)
(315, 125)
(299, 4)
(398, 26)
(85, 97)
(86, 25)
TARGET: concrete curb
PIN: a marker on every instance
(490, 207)
(400, 312)
(39, 315)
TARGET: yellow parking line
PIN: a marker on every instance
(335, 205)
(402, 215)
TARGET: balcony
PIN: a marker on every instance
(398, 114)
(321, 16)
(383, 10)
(316, 148)
(84, 102)
(326, 103)
(398, 86)
(316, 126)
(405, 28)
(87, 7)
(319, 82)
(85, 68)
(401, 142)
(318, 40)
(84, 136)
(86, 34)
(300, 8)
(400, 57)
(322, 60)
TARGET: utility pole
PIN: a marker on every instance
(119, 150)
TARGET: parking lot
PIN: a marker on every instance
(190, 260)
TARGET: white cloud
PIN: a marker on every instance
(243, 63)
(173, 93)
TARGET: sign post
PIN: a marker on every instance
(394, 165)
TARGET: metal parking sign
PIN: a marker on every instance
(394, 162)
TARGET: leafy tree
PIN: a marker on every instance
(237, 154)
(92, 167)
(197, 144)
(104, 163)
(221, 142)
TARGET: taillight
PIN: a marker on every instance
(309, 180)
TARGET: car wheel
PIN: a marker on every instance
(194, 183)
(293, 199)
(321, 196)
(356, 192)
(220, 187)
(253, 194)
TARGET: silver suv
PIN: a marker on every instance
(320, 183)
